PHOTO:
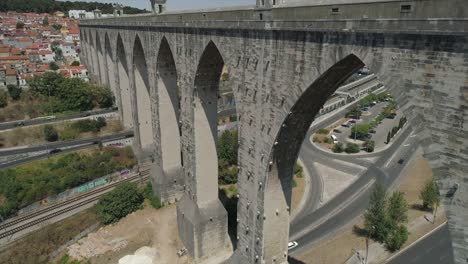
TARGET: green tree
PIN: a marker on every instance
(53, 66)
(338, 147)
(50, 134)
(430, 197)
(359, 130)
(19, 25)
(298, 170)
(228, 147)
(375, 219)
(352, 148)
(45, 21)
(14, 91)
(396, 238)
(397, 209)
(118, 203)
(75, 63)
(58, 54)
(3, 99)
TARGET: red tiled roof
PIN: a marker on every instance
(10, 72)
(7, 58)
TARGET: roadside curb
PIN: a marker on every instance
(307, 181)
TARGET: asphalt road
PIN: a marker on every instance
(311, 226)
(37, 121)
(433, 249)
(61, 144)
(72, 146)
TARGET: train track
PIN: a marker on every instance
(141, 177)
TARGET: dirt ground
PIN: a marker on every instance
(147, 227)
(340, 247)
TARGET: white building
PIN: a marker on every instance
(75, 14)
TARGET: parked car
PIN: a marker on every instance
(372, 131)
(292, 245)
(347, 124)
(352, 121)
(54, 151)
(400, 161)
(337, 131)
(368, 136)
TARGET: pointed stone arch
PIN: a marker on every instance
(110, 66)
(124, 83)
(142, 90)
(102, 65)
(278, 186)
(204, 230)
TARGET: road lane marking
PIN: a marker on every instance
(334, 212)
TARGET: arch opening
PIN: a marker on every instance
(142, 90)
(124, 84)
(169, 109)
(206, 94)
(278, 187)
(110, 73)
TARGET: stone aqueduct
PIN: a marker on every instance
(284, 61)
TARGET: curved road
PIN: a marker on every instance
(311, 226)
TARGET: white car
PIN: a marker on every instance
(292, 245)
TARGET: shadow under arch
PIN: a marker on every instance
(124, 83)
(100, 61)
(93, 55)
(168, 107)
(142, 92)
(278, 187)
(110, 66)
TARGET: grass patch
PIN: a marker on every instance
(37, 246)
(68, 130)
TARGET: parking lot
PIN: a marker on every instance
(380, 136)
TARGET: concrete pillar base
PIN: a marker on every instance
(204, 230)
(168, 185)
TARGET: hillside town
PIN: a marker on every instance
(32, 44)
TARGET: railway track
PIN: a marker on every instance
(140, 177)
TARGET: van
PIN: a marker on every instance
(334, 138)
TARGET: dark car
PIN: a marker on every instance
(352, 121)
(372, 131)
(19, 124)
(368, 136)
(54, 151)
(400, 161)
(336, 130)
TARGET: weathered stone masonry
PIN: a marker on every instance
(279, 70)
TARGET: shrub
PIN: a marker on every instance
(89, 125)
(397, 238)
(118, 203)
(14, 91)
(50, 134)
(369, 145)
(75, 63)
(298, 170)
(338, 148)
(68, 134)
(316, 139)
(3, 99)
(352, 148)
(323, 131)
(327, 140)
(151, 197)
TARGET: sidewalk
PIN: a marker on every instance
(379, 254)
